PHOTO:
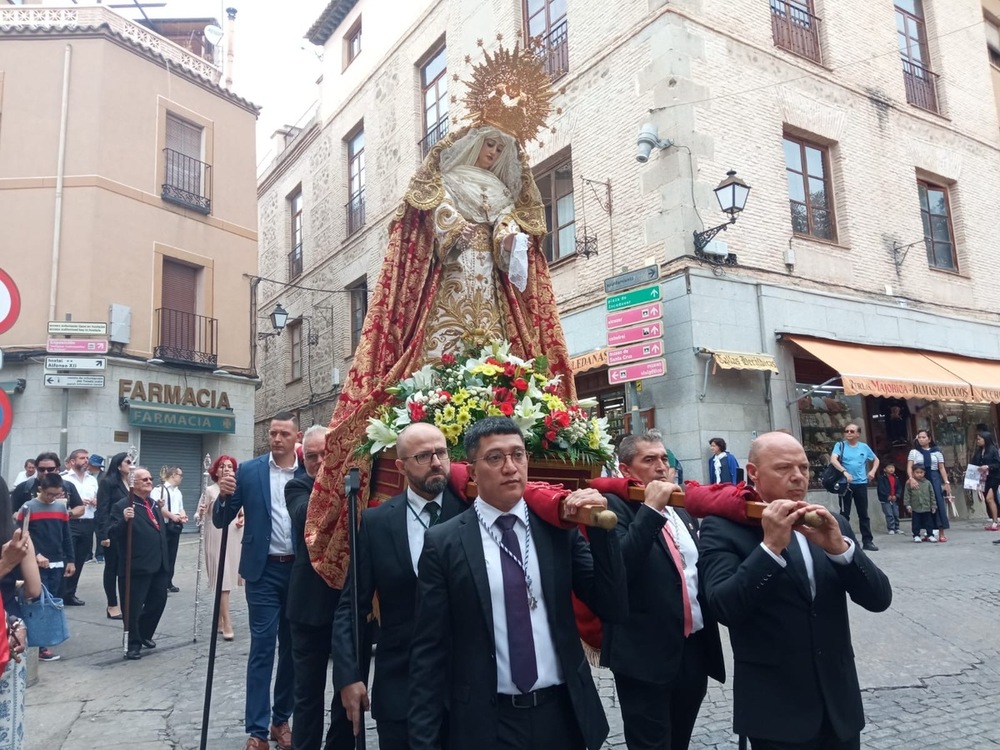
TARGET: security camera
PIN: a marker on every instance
(649, 137)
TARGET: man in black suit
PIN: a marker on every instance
(309, 609)
(782, 590)
(390, 540)
(149, 565)
(663, 654)
(495, 637)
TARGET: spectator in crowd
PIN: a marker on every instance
(224, 466)
(96, 468)
(987, 458)
(889, 491)
(140, 515)
(920, 501)
(26, 473)
(82, 528)
(171, 501)
(114, 487)
(49, 528)
(722, 465)
(852, 461)
(925, 453)
(46, 463)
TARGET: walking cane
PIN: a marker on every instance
(133, 454)
(352, 484)
(201, 542)
(214, 639)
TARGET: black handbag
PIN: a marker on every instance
(832, 478)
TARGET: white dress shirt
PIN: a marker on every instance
(842, 559)
(418, 519)
(549, 672)
(282, 541)
(689, 553)
(87, 487)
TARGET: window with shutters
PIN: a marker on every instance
(186, 178)
(911, 34)
(183, 336)
(295, 254)
(359, 309)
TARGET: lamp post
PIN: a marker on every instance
(279, 316)
(732, 194)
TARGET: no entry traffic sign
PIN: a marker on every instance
(6, 416)
(10, 302)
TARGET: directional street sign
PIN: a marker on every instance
(73, 381)
(76, 328)
(634, 353)
(633, 298)
(630, 279)
(76, 363)
(654, 368)
(76, 346)
(635, 333)
(634, 315)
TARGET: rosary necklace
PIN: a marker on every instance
(532, 601)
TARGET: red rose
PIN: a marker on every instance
(446, 395)
(417, 411)
(447, 359)
(521, 384)
(508, 369)
(551, 435)
(507, 408)
(562, 418)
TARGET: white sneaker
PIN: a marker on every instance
(932, 538)
(916, 539)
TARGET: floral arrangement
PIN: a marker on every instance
(493, 382)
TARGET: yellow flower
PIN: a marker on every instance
(486, 369)
(553, 402)
(448, 413)
(493, 411)
(460, 396)
(463, 417)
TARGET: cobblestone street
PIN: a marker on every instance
(929, 667)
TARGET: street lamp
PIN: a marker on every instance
(278, 319)
(732, 194)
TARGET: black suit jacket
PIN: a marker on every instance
(149, 544)
(311, 600)
(793, 654)
(453, 659)
(648, 645)
(384, 566)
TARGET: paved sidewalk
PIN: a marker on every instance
(929, 667)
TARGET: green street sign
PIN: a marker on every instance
(635, 297)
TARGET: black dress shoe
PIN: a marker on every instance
(111, 616)
(133, 654)
(148, 643)
(72, 601)
(173, 589)
(869, 547)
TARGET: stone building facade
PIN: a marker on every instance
(872, 154)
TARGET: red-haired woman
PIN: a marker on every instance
(223, 466)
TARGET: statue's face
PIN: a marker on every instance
(489, 153)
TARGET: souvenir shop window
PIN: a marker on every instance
(954, 427)
(823, 414)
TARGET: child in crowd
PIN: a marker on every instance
(888, 493)
(921, 502)
(49, 529)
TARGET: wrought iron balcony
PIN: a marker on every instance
(355, 212)
(795, 29)
(187, 181)
(921, 86)
(186, 338)
(435, 133)
(295, 263)
(557, 51)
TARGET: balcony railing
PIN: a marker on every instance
(187, 181)
(355, 212)
(921, 86)
(557, 51)
(186, 338)
(295, 263)
(435, 133)
(795, 29)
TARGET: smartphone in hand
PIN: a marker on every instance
(27, 520)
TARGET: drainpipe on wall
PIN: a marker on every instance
(60, 174)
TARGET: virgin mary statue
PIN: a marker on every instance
(463, 267)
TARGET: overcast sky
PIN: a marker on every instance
(272, 69)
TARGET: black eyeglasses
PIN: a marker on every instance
(424, 457)
(47, 469)
(496, 459)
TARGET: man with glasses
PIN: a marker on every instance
(495, 637)
(82, 528)
(851, 458)
(390, 541)
(46, 463)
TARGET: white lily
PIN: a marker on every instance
(527, 414)
(381, 435)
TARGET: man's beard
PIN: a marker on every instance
(433, 484)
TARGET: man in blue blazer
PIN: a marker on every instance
(266, 566)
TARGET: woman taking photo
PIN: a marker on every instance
(925, 453)
(112, 488)
(223, 466)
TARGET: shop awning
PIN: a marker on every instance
(887, 371)
(742, 361)
(982, 375)
(590, 361)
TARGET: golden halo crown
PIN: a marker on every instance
(510, 91)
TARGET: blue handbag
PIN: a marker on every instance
(45, 620)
